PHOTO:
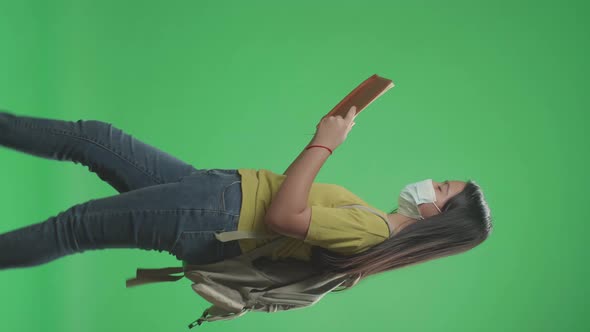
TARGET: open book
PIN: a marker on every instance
(363, 95)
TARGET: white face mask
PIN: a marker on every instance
(415, 194)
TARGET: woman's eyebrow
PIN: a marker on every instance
(448, 186)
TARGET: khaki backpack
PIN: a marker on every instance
(252, 281)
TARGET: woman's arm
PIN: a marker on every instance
(291, 199)
(288, 170)
(288, 212)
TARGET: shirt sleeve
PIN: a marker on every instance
(345, 231)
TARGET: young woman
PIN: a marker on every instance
(168, 205)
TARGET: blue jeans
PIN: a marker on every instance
(163, 203)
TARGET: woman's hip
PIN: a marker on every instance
(214, 189)
(219, 212)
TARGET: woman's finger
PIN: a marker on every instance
(351, 113)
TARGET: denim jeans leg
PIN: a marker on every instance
(116, 157)
(179, 217)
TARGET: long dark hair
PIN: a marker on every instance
(464, 222)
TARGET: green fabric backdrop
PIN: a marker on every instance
(490, 91)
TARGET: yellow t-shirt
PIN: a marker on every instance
(342, 230)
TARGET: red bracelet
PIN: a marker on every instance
(321, 146)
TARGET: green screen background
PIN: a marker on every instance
(491, 91)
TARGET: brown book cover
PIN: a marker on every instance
(363, 95)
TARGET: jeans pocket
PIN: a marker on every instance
(231, 198)
(218, 189)
(199, 247)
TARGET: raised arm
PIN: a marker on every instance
(290, 168)
(289, 213)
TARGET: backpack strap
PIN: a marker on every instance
(146, 276)
(237, 235)
(215, 313)
(265, 250)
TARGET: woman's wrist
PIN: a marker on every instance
(321, 146)
(326, 144)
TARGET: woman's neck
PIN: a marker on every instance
(399, 221)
